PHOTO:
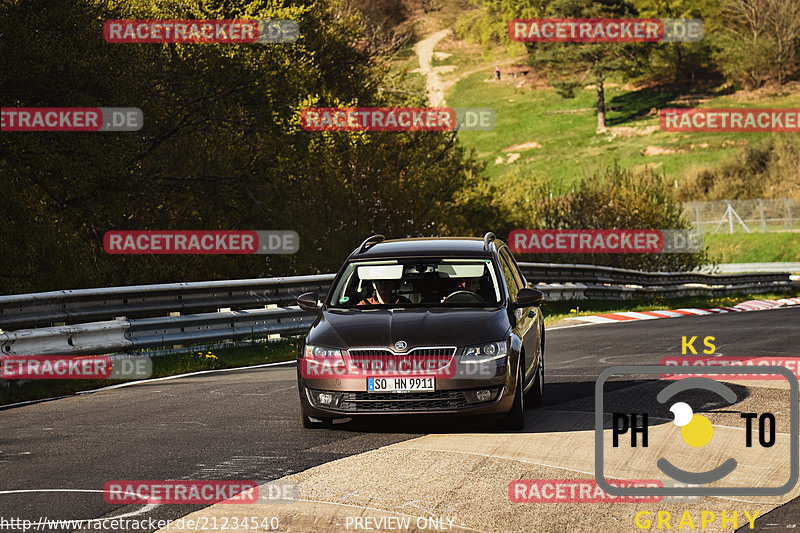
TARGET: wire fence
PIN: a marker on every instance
(744, 216)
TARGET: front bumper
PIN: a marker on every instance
(456, 395)
(446, 402)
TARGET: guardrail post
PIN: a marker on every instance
(697, 215)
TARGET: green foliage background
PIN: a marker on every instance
(222, 149)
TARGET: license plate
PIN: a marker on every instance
(400, 384)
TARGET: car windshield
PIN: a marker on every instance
(429, 282)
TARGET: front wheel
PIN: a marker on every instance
(515, 419)
(535, 396)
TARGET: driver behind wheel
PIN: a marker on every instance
(472, 285)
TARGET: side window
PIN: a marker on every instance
(508, 274)
(518, 277)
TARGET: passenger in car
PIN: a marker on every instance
(384, 293)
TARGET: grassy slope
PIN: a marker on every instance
(754, 247)
(570, 147)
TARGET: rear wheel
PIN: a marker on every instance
(515, 419)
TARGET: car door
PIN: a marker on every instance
(526, 316)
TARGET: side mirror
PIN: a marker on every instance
(309, 301)
(528, 298)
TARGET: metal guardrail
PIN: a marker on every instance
(124, 335)
(589, 282)
(138, 301)
(555, 272)
(126, 318)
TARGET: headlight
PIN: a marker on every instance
(320, 351)
(489, 351)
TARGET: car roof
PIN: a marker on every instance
(426, 247)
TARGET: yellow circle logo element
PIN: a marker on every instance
(698, 431)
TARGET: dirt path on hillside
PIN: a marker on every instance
(433, 84)
(488, 67)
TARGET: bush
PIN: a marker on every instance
(769, 170)
(614, 199)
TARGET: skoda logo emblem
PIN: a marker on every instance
(400, 346)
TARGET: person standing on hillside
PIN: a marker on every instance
(497, 73)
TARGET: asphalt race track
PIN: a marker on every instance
(56, 456)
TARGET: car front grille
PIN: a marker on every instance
(426, 360)
(408, 401)
(442, 351)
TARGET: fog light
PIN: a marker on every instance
(325, 398)
(483, 395)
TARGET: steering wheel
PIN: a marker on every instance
(462, 297)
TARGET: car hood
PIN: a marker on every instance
(417, 327)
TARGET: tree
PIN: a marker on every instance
(221, 148)
(759, 41)
(682, 61)
(489, 25)
(574, 63)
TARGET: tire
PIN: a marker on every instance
(515, 419)
(314, 423)
(535, 396)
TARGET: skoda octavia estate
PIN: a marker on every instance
(421, 326)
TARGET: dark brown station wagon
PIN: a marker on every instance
(421, 326)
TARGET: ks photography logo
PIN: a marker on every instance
(694, 452)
